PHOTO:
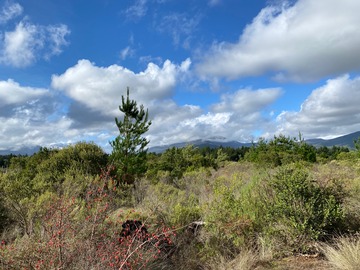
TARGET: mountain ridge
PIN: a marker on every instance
(213, 142)
(344, 140)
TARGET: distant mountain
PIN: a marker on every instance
(21, 151)
(27, 150)
(346, 140)
(214, 142)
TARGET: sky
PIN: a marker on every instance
(232, 69)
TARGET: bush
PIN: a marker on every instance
(280, 151)
(80, 235)
(234, 215)
(171, 205)
(301, 208)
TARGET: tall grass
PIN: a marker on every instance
(245, 260)
(345, 254)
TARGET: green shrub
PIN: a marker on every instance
(280, 151)
(235, 214)
(171, 205)
(302, 207)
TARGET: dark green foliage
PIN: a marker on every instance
(129, 148)
(233, 154)
(357, 146)
(179, 160)
(300, 203)
(281, 150)
(330, 153)
(176, 161)
(5, 219)
(32, 181)
(71, 166)
(5, 160)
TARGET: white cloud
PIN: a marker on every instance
(330, 110)
(168, 123)
(29, 116)
(180, 26)
(28, 42)
(17, 132)
(98, 91)
(21, 44)
(137, 10)
(11, 93)
(37, 117)
(246, 101)
(126, 52)
(101, 88)
(56, 38)
(10, 11)
(302, 42)
(231, 118)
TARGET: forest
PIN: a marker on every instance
(280, 204)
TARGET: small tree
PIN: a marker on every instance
(129, 148)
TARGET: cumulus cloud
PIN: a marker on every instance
(300, 42)
(231, 118)
(34, 116)
(246, 100)
(29, 42)
(37, 117)
(330, 110)
(17, 132)
(11, 93)
(23, 46)
(96, 92)
(29, 116)
(10, 11)
(101, 88)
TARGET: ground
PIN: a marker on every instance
(296, 263)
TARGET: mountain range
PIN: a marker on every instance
(214, 142)
(345, 140)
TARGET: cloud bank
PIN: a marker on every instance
(301, 42)
(330, 109)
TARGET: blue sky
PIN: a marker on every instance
(238, 69)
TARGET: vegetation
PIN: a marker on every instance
(345, 254)
(129, 148)
(192, 208)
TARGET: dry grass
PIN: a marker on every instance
(345, 254)
(246, 260)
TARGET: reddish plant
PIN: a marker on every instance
(78, 234)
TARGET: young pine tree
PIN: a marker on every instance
(129, 148)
